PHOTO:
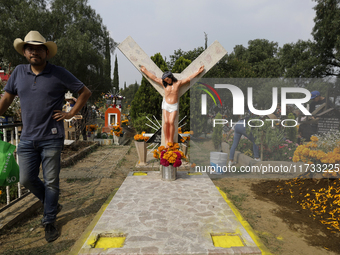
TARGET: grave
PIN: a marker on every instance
(325, 120)
(112, 118)
(328, 120)
(185, 216)
(188, 216)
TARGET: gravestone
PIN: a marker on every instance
(328, 120)
(112, 118)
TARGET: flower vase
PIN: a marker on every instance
(184, 148)
(115, 139)
(90, 136)
(168, 173)
(141, 151)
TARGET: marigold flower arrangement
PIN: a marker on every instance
(169, 156)
(141, 137)
(125, 122)
(91, 128)
(117, 130)
(308, 153)
(185, 138)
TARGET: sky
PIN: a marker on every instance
(163, 26)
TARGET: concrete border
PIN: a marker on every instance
(79, 243)
(244, 160)
(79, 155)
(246, 225)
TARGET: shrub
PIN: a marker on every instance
(217, 133)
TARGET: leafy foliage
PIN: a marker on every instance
(115, 83)
(84, 44)
(147, 101)
(129, 93)
(326, 35)
(184, 101)
(217, 133)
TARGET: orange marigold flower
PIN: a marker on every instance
(314, 139)
(305, 152)
(296, 158)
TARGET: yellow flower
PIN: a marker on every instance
(305, 152)
(314, 139)
(312, 154)
(296, 158)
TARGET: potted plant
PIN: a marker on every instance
(90, 131)
(170, 158)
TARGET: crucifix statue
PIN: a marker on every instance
(170, 100)
(180, 82)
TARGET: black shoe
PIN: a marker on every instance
(51, 232)
(59, 208)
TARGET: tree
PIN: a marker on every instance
(326, 35)
(259, 60)
(198, 122)
(147, 100)
(84, 44)
(184, 101)
(320, 57)
(129, 93)
(205, 40)
(217, 133)
(298, 59)
(115, 83)
(189, 55)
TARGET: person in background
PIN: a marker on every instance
(239, 130)
(317, 100)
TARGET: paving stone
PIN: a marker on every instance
(178, 217)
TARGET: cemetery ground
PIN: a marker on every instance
(267, 205)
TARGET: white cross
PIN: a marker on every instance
(138, 58)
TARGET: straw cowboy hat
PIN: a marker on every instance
(35, 38)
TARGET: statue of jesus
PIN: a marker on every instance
(170, 100)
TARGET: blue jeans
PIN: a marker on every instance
(239, 130)
(46, 152)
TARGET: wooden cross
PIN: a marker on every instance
(138, 58)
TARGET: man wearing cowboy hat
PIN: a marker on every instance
(41, 87)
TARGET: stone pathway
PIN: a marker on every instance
(100, 165)
(161, 217)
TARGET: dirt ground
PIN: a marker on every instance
(81, 199)
(281, 225)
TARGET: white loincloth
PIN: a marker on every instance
(169, 107)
